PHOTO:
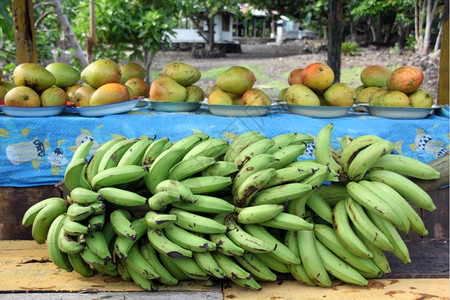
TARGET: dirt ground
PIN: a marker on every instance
(278, 60)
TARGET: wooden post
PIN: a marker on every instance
(335, 13)
(24, 31)
(443, 94)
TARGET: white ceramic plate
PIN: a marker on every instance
(400, 112)
(107, 109)
(143, 102)
(317, 111)
(174, 106)
(31, 112)
(238, 110)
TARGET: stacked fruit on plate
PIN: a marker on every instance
(202, 208)
(398, 88)
(314, 86)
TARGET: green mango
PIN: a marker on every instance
(182, 73)
(236, 80)
(100, 72)
(64, 74)
(33, 76)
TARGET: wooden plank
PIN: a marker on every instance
(26, 267)
(376, 289)
(443, 85)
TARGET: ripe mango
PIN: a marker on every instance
(220, 97)
(138, 87)
(64, 74)
(391, 99)
(22, 96)
(53, 96)
(300, 94)
(33, 76)
(211, 89)
(364, 95)
(82, 96)
(194, 93)
(100, 72)
(71, 90)
(317, 76)
(254, 97)
(182, 73)
(132, 70)
(236, 80)
(421, 98)
(166, 89)
(339, 94)
(406, 79)
(295, 77)
(109, 93)
(375, 75)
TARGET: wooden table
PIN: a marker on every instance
(27, 273)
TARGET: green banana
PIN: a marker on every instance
(288, 175)
(190, 267)
(287, 155)
(252, 150)
(362, 222)
(328, 237)
(121, 222)
(281, 140)
(122, 245)
(96, 242)
(333, 193)
(114, 176)
(149, 253)
(212, 147)
(281, 252)
(257, 268)
(196, 222)
(230, 267)
(165, 246)
(92, 167)
(134, 154)
(346, 233)
(337, 267)
(207, 184)
(379, 258)
(161, 200)
(249, 283)
(240, 143)
(82, 195)
(225, 245)
(310, 258)
(323, 149)
(251, 185)
(207, 262)
(281, 193)
(156, 220)
(153, 151)
(301, 138)
(406, 187)
(256, 163)
(312, 167)
(122, 197)
(404, 225)
(206, 204)
(406, 166)
(31, 213)
(79, 265)
(114, 154)
(400, 249)
(176, 187)
(372, 202)
(96, 221)
(70, 244)
(288, 221)
(188, 240)
(74, 176)
(75, 228)
(273, 263)
(138, 263)
(415, 220)
(362, 162)
(320, 207)
(190, 166)
(297, 270)
(221, 168)
(354, 147)
(45, 217)
(83, 150)
(59, 258)
(245, 240)
(172, 267)
(259, 213)
(145, 283)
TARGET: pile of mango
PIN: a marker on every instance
(103, 81)
(177, 84)
(398, 88)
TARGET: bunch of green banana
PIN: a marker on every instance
(157, 211)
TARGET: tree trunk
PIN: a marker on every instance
(91, 38)
(68, 32)
(378, 31)
(24, 31)
(209, 47)
(443, 86)
(335, 10)
(431, 11)
(148, 56)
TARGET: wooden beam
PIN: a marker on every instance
(443, 94)
(335, 13)
(23, 15)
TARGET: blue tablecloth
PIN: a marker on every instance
(35, 151)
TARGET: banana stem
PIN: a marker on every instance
(441, 164)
